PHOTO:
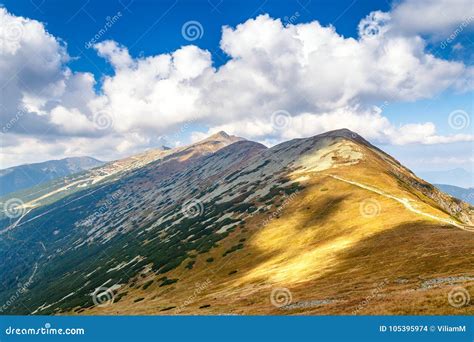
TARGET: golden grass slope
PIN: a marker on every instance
(333, 248)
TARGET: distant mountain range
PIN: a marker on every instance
(458, 177)
(467, 195)
(25, 176)
(323, 225)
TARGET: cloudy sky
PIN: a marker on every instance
(112, 78)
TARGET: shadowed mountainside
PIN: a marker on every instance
(322, 225)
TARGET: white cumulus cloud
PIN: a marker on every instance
(321, 79)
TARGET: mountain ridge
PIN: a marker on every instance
(23, 176)
(464, 194)
(316, 216)
(58, 188)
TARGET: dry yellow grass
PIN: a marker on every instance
(330, 252)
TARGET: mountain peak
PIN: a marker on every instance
(346, 133)
(342, 132)
(222, 136)
(222, 195)
(219, 135)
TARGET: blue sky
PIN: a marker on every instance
(142, 31)
(406, 115)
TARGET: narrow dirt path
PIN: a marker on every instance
(406, 203)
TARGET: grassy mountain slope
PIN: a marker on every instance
(57, 189)
(235, 228)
